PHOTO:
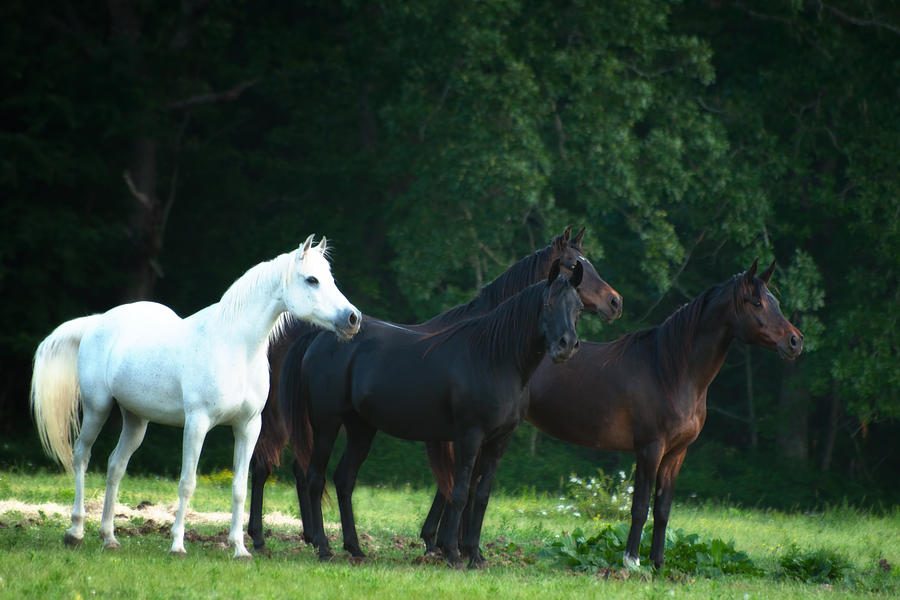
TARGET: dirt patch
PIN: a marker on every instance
(161, 516)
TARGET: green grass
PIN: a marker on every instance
(34, 563)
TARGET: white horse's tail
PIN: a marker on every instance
(54, 388)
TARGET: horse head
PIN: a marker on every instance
(562, 307)
(758, 317)
(311, 294)
(598, 296)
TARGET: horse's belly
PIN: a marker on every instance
(405, 415)
(151, 389)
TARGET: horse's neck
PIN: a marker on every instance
(710, 345)
(525, 348)
(249, 310)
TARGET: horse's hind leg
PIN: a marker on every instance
(133, 430)
(260, 469)
(303, 500)
(196, 426)
(95, 413)
(359, 442)
(325, 435)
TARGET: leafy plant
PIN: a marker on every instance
(685, 552)
(821, 565)
(601, 497)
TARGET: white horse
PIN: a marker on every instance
(206, 370)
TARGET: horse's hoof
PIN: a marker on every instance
(71, 541)
(357, 560)
(477, 562)
(630, 563)
(178, 553)
(113, 545)
(246, 557)
(326, 556)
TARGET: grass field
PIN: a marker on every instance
(34, 563)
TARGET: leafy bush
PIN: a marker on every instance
(685, 553)
(814, 566)
(601, 497)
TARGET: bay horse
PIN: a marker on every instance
(198, 372)
(597, 295)
(646, 392)
(463, 384)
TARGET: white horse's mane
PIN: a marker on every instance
(266, 277)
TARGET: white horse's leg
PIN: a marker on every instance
(196, 427)
(133, 430)
(95, 415)
(245, 437)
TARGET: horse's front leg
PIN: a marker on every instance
(662, 504)
(488, 462)
(647, 464)
(245, 436)
(467, 448)
(196, 426)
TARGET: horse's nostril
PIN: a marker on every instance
(794, 341)
(614, 302)
(563, 342)
(577, 343)
(354, 319)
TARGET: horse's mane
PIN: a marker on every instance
(267, 275)
(509, 325)
(516, 278)
(669, 344)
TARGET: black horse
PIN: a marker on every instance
(597, 295)
(463, 384)
(646, 392)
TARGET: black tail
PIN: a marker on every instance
(273, 435)
(442, 461)
(293, 398)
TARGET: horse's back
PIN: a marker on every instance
(135, 355)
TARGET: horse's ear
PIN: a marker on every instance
(554, 271)
(767, 274)
(577, 274)
(322, 246)
(578, 237)
(751, 272)
(563, 240)
(306, 245)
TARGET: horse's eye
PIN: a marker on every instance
(574, 264)
(757, 302)
(312, 281)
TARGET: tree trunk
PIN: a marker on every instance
(792, 434)
(751, 409)
(834, 415)
(146, 219)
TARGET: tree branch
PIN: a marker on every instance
(861, 22)
(139, 195)
(214, 97)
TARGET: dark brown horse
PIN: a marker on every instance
(464, 384)
(646, 392)
(597, 295)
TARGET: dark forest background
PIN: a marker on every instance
(159, 149)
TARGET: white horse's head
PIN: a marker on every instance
(310, 293)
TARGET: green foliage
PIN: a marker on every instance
(820, 565)
(685, 553)
(599, 497)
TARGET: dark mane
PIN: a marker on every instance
(670, 343)
(519, 276)
(509, 325)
